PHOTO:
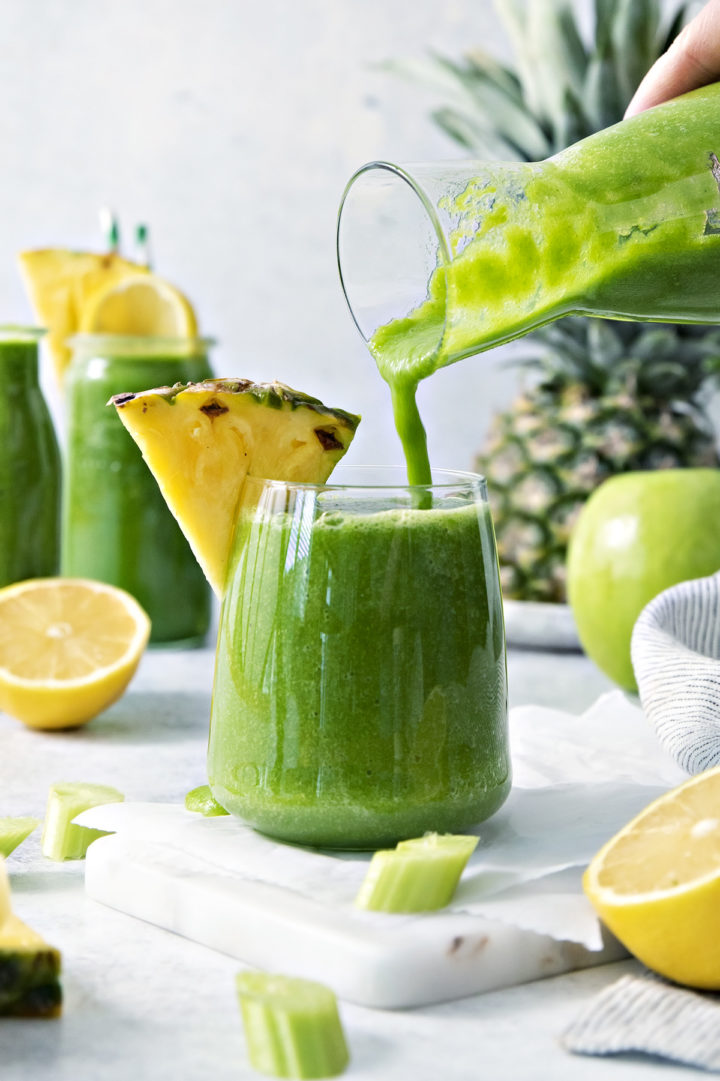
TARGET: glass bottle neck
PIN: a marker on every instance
(18, 362)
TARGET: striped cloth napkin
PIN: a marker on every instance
(676, 658)
(648, 1015)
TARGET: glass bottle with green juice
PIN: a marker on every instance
(116, 526)
(29, 464)
(439, 262)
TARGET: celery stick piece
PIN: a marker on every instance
(460, 843)
(202, 801)
(13, 832)
(292, 1026)
(61, 840)
(420, 875)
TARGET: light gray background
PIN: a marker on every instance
(232, 127)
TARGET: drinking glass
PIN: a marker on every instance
(360, 684)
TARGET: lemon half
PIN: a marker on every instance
(68, 649)
(656, 884)
(139, 304)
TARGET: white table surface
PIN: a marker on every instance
(143, 1004)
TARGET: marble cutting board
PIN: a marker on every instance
(156, 868)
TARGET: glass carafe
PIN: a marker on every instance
(441, 261)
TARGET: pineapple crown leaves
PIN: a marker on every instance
(565, 88)
(666, 363)
(476, 89)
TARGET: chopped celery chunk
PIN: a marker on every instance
(420, 875)
(202, 801)
(61, 840)
(292, 1026)
(459, 843)
(13, 832)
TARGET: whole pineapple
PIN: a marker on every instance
(605, 396)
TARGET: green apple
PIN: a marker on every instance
(638, 534)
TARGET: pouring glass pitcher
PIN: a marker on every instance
(442, 261)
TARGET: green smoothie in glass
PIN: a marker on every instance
(29, 464)
(116, 525)
(360, 687)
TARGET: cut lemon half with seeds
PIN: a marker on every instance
(656, 884)
(141, 304)
(68, 649)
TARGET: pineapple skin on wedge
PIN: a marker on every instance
(29, 968)
(201, 441)
(29, 973)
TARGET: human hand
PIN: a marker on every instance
(692, 60)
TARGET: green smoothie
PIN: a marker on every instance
(29, 464)
(360, 687)
(624, 224)
(116, 525)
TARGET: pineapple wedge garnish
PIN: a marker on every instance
(61, 284)
(29, 968)
(202, 440)
(29, 973)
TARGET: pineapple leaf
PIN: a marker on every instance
(481, 141)
(502, 111)
(550, 55)
(565, 339)
(668, 31)
(513, 17)
(603, 343)
(634, 31)
(559, 61)
(604, 104)
(709, 344)
(655, 342)
(479, 101)
(605, 11)
(482, 63)
(427, 72)
(573, 49)
(664, 379)
(574, 121)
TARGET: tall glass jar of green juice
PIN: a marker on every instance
(116, 525)
(29, 464)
